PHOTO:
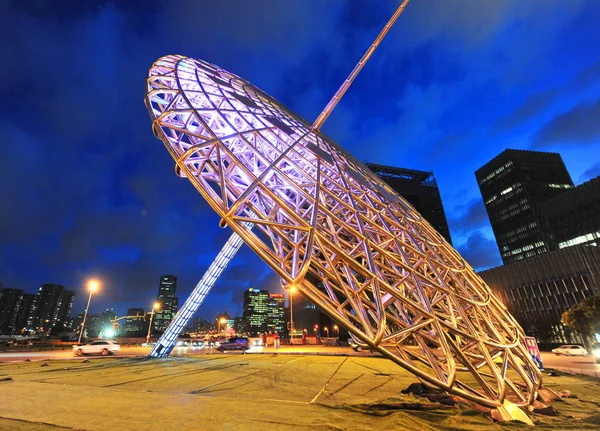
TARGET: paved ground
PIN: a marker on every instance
(234, 391)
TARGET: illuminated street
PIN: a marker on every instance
(246, 391)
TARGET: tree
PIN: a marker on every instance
(584, 317)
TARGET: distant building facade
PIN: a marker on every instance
(240, 325)
(25, 317)
(201, 326)
(276, 313)
(514, 186)
(135, 324)
(51, 309)
(263, 312)
(543, 287)
(574, 216)
(256, 310)
(420, 189)
(11, 301)
(169, 303)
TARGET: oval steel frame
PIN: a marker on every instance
(350, 244)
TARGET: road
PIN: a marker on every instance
(550, 360)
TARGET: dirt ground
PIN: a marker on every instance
(262, 392)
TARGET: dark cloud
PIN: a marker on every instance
(541, 102)
(471, 216)
(480, 252)
(579, 126)
(592, 172)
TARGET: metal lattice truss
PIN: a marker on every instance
(348, 242)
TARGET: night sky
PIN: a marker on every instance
(87, 190)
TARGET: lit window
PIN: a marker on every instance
(579, 240)
(492, 199)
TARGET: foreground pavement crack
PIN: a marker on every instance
(42, 423)
(330, 378)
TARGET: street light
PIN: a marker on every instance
(156, 306)
(291, 291)
(326, 330)
(336, 329)
(222, 320)
(92, 285)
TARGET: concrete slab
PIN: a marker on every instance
(235, 392)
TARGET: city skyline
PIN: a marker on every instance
(447, 91)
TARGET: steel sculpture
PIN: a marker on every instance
(350, 244)
(168, 340)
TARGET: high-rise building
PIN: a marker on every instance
(134, 323)
(11, 301)
(64, 312)
(420, 189)
(52, 306)
(25, 316)
(256, 310)
(276, 313)
(574, 216)
(514, 186)
(169, 303)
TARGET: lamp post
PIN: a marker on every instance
(291, 291)
(156, 306)
(326, 330)
(222, 321)
(336, 329)
(92, 285)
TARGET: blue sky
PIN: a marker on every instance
(86, 190)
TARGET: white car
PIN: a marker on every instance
(102, 347)
(570, 350)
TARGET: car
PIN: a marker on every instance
(102, 347)
(596, 352)
(570, 350)
(234, 343)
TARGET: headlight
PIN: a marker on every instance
(597, 353)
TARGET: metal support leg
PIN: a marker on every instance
(168, 340)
